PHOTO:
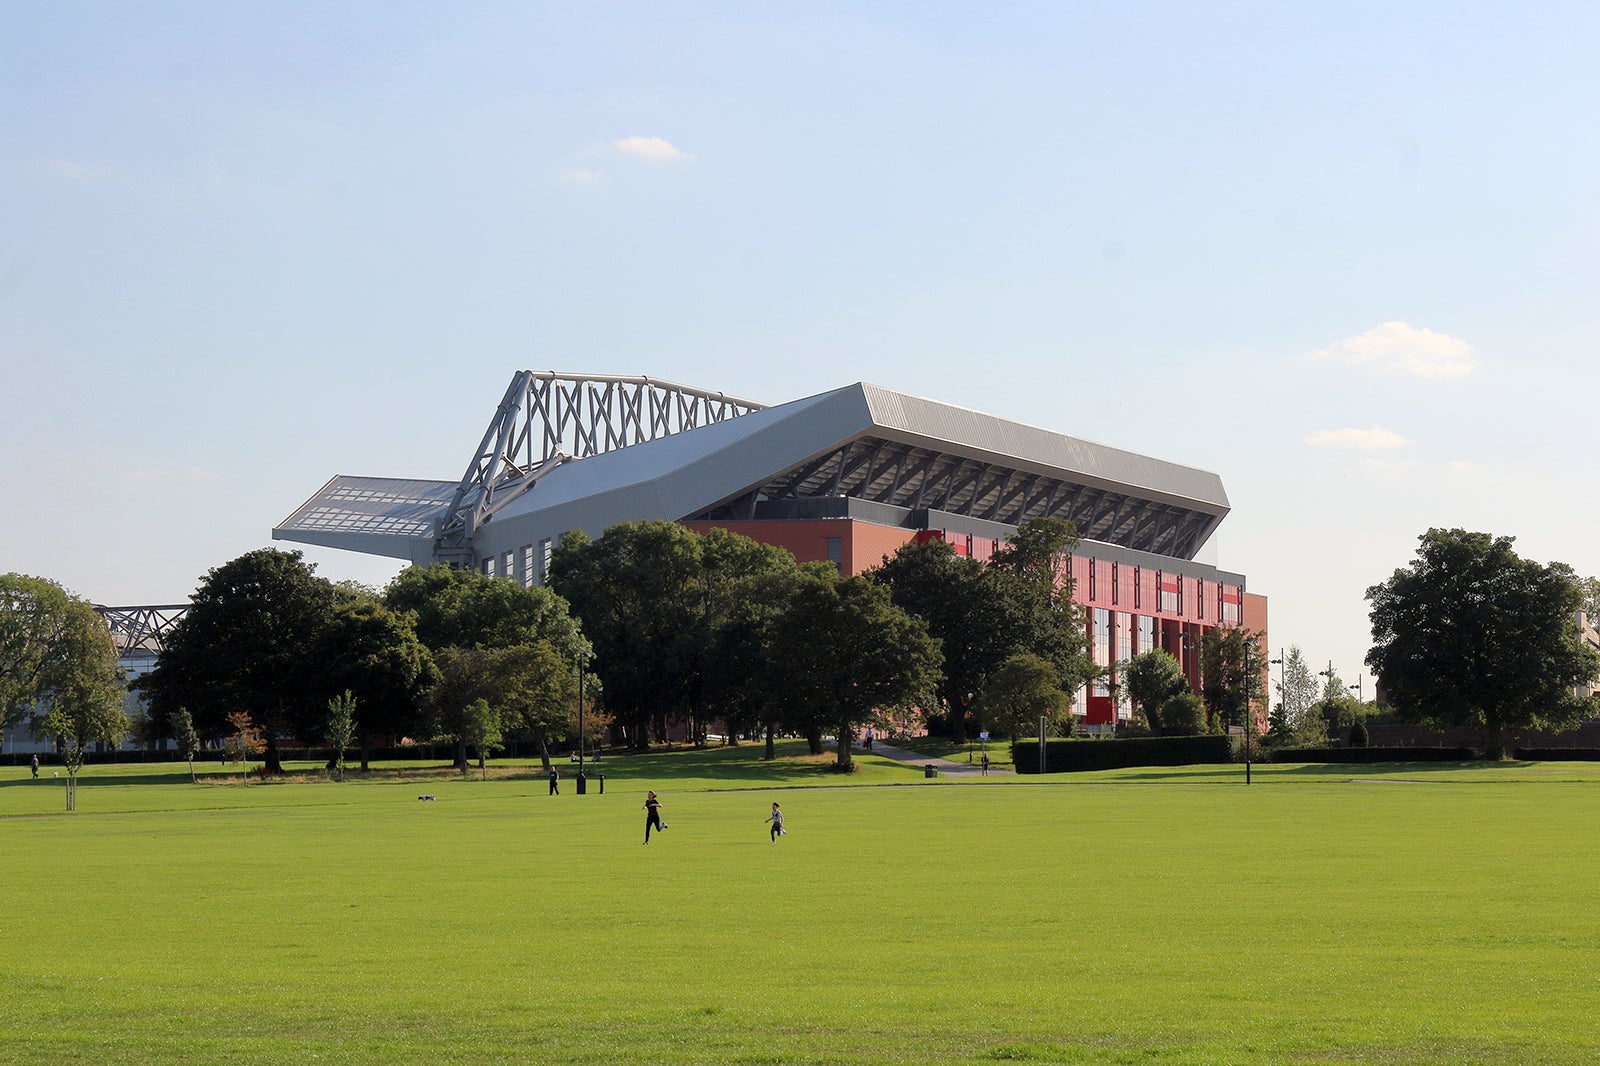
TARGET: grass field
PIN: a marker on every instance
(1422, 914)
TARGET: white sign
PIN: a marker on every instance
(984, 735)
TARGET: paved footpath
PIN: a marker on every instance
(943, 767)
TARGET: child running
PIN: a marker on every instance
(652, 816)
(776, 818)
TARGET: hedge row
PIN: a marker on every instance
(1069, 756)
(1369, 755)
(1556, 754)
(412, 752)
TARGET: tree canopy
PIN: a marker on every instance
(841, 652)
(56, 653)
(245, 646)
(1470, 634)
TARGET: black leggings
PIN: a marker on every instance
(651, 819)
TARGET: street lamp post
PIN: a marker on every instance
(584, 652)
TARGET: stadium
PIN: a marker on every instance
(845, 476)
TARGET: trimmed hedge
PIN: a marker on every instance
(1362, 755)
(1556, 754)
(1072, 756)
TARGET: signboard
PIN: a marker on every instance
(1236, 730)
(983, 735)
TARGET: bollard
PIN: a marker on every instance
(602, 784)
(583, 783)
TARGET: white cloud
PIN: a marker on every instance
(1401, 348)
(655, 149)
(583, 177)
(1366, 440)
(71, 171)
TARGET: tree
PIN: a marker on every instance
(1230, 671)
(982, 614)
(1333, 687)
(54, 647)
(1024, 689)
(1469, 634)
(842, 652)
(963, 605)
(186, 739)
(1184, 715)
(652, 598)
(515, 646)
(246, 645)
(365, 647)
(1296, 695)
(243, 743)
(481, 730)
(341, 727)
(1150, 679)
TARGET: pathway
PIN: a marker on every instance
(961, 770)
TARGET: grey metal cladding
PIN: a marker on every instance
(1099, 465)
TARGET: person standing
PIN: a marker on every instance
(555, 781)
(652, 817)
(985, 761)
(36, 767)
(776, 818)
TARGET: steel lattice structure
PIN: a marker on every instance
(548, 418)
(141, 629)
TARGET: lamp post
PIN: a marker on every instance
(584, 653)
(1246, 714)
(1283, 685)
(1361, 693)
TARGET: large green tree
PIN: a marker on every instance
(963, 604)
(1150, 679)
(54, 650)
(1023, 690)
(1231, 665)
(367, 649)
(1470, 634)
(492, 638)
(1018, 603)
(841, 653)
(655, 599)
(245, 646)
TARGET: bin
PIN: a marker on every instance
(929, 771)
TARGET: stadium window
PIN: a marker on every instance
(1094, 570)
(544, 560)
(529, 574)
(1147, 633)
(1116, 583)
(1138, 592)
(507, 563)
(1102, 650)
(836, 552)
(488, 566)
(1200, 597)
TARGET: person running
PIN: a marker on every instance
(652, 816)
(776, 818)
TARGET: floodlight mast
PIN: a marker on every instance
(548, 418)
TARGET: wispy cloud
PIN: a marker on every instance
(1365, 440)
(654, 149)
(583, 177)
(1401, 348)
(66, 168)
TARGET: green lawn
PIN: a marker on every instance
(1387, 914)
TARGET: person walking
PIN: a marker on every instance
(776, 818)
(985, 764)
(652, 817)
(555, 781)
(36, 767)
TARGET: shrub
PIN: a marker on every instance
(1358, 734)
(1184, 715)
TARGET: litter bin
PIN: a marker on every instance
(583, 783)
(927, 771)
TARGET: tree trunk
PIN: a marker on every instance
(193, 780)
(772, 744)
(274, 759)
(845, 736)
(544, 748)
(366, 744)
(461, 755)
(958, 721)
(814, 739)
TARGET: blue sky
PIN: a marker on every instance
(1343, 255)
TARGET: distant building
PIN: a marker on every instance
(845, 476)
